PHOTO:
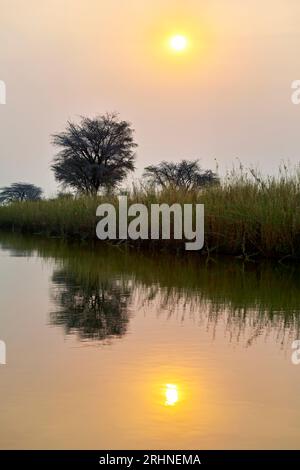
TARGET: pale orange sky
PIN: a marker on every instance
(227, 97)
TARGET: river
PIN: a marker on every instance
(108, 348)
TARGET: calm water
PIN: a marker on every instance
(108, 349)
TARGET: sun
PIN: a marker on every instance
(178, 43)
(171, 394)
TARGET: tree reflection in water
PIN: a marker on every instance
(94, 310)
(94, 289)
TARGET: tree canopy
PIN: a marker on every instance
(185, 174)
(94, 154)
(20, 192)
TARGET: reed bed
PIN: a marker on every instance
(246, 215)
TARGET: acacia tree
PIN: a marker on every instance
(96, 153)
(20, 192)
(183, 175)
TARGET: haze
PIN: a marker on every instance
(229, 96)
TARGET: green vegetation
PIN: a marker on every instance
(244, 216)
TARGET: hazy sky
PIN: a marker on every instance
(228, 96)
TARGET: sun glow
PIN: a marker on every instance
(178, 43)
(171, 394)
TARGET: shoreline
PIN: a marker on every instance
(247, 219)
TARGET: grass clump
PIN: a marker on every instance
(246, 215)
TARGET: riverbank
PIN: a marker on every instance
(247, 217)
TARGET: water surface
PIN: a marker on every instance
(114, 349)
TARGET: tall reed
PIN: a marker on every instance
(246, 215)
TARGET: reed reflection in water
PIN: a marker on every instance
(94, 295)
